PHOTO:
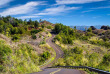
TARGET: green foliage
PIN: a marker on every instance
(14, 30)
(34, 31)
(101, 43)
(58, 28)
(2, 22)
(15, 38)
(93, 59)
(58, 38)
(89, 30)
(12, 26)
(46, 55)
(34, 36)
(43, 25)
(21, 30)
(36, 25)
(4, 52)
(106, 59)
(43, 42)
(49, 27)
(77, 50)
(67, 35)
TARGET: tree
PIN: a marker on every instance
(93, 28)
(36, 25)
(58, 27)
(34, 36)
(75, 28)
(90, 29)
(30, 22)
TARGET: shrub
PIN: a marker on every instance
(15, 38)
(43, 25)
(46, 55)
(70, 41)
(4, 52)
(106, 59)
(34, 31)
(43, 42)
(34, 36)
(2, 22)
(89, 30)
(1, 68)
(49, 27)
(77, 50)
(58, 38)
(21, 30)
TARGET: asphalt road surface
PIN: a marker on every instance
(60, 71)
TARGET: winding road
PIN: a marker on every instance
(59, 53)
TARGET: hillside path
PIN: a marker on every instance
(59, 54)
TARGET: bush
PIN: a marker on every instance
(15, 38)
(14, 30)
(106, 59)
(4, 52)
(49, 27)
(21, 30)
(70, 41)
(2, 22)
(1, 68)
(43, 25)
(34, 31)
(46, 55)
(77, 50)
(58, 38)
(34, 36)
(43, 42)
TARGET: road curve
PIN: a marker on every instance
(59, 52)
(59, 71)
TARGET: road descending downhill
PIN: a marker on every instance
(59, 54)
(60, 71)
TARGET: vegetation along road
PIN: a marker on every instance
(59, 53)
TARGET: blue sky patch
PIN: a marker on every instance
(68, 12)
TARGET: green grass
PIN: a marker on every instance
(92, 55)
(22, 59)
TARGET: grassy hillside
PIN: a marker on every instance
(23, 58)
(23, 47)
(83, 48)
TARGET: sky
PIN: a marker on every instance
(67, 12)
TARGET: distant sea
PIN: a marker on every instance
(83, 27)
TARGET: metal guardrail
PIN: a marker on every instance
(83, 67)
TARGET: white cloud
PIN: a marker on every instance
(87, 11)
(76, 1)
(50, 11)
(101, 7)
(26, 17)
(3, 2)
(57, 10)
(22, 9)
